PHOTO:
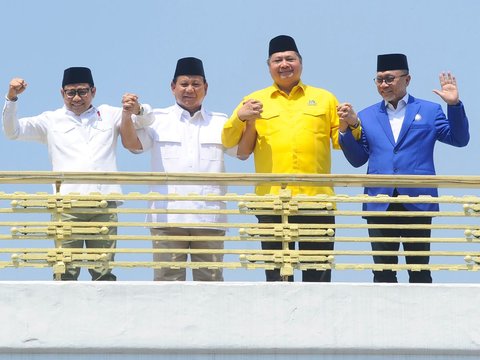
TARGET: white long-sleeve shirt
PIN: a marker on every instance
(86, 142)
(397, 115)
(183, 143)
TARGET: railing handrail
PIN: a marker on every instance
(235, 179)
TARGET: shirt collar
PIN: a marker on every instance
(299, 87)
(181, 113)
(401, 103)
(90, 111)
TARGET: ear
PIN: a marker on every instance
(172, 85)
(62, 92)
(94, 91)
(407, 80)
(206, 88)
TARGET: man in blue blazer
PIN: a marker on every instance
(398, 137)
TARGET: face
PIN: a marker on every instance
(397, 89)
(189, 92)
(78, 97)
(285, 69)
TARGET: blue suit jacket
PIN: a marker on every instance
(412, 154)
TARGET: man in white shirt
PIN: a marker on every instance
(79, 137)
(185, 138)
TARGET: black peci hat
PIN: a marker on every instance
(77, 75)
(189, 66)
(392, 62)
(282, 43)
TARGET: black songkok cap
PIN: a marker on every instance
(392, 62)
(281, 43)
(189, 66)
(77, 75)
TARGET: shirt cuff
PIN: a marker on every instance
(457, 104)
(237, 123)
(146, 118)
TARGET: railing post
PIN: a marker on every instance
(285, 196)
(59, 268)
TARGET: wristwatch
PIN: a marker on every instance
(356, 125)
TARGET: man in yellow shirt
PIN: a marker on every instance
(288, 126)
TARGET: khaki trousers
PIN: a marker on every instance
(202, 274)
(97, 274)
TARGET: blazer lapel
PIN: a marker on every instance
(382, 118)
(410, 112)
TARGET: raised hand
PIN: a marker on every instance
(250, 110)
(347, 116)
(449, 91)
(130, 103)
(15, 88)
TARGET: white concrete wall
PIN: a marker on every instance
(256, 318)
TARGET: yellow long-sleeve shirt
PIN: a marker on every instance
(293, 134)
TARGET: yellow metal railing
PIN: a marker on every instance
(29, 219)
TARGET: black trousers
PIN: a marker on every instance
(310, 275)
(390, 276)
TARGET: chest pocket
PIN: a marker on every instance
(64, 128)
(315, 120)
(101, 131)
(211, 147)
(415, 126)
(268, 124)
(169, 145)
(65, 135)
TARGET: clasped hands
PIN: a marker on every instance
(250, 110)
(130, 104)
(348, 116)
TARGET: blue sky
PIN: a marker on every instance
(133, 46)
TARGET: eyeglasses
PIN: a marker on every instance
(388, 79)
(73, 92)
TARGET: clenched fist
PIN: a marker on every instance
(16, 87)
